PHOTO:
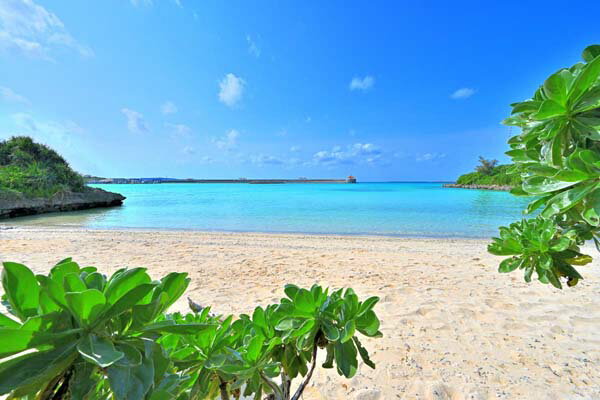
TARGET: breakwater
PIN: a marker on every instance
(479, 187)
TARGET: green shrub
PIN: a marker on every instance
(35, 170)
(77, 334)
(558, 153)
(501, 175)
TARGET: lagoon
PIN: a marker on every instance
(391, 209)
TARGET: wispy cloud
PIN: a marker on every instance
(295, 149)
(30, 29)
(189, 150)
(47, 131)
(356, 153)
(263, 159)
(137, 3)
(168, 107)
(463, 93)
(363, 84)
(231, 89)
(135, 121)
(180, 131)
(252, 46)
(10, 96)
(228, 141)
(429, 157)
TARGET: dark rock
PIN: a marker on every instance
(17, 206)
(479, 187)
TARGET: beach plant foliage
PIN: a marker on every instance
(557, 154)
(77, 334)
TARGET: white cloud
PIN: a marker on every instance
(463, 93)
(295, 149)
(263, 159)
(356, 153)
(189, 150)
(168, 107)
(363, 84)
(228, 141)
(179, 131)
(252, 46)
(30, 29)
(135, 121)
(231, 89)
(429, 156)
(50, 132)
(10, 96)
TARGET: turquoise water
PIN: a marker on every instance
(402, 209)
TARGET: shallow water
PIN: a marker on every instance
(402, 209)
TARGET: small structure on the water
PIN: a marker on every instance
(351, 179)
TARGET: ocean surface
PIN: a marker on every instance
(397, 209)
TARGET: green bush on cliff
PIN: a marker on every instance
(501, 175)
(34, 170)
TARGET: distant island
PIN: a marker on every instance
(35, 179)
(488, 175)
(98, 180)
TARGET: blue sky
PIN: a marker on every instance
(273, 89)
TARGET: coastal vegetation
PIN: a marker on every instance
(31, 169)
(488, 172)
(76, 334)
(558, 153)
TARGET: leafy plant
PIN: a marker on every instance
(558, 152)
(79, 335)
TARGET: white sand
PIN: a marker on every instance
(454, 328)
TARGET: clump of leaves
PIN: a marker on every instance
(84, 336)
(558, 152)
(93, 337)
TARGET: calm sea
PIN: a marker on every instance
(399, 209)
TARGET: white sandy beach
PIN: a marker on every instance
(453, 327)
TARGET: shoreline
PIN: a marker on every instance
(454, 328)
(364, 235)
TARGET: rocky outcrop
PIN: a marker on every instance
(16, 206)
(480, 187)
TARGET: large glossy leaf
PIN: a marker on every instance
(132, 382)
(584, 80)
(550, 109)
(123, 282)
(99, 351)
(555, 88)
(33, 368)
(345, 358)
(129, 300)
(21, 289)
(86, 306)
(591, 52)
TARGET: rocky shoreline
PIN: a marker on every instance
(11, 207)
(479, 187)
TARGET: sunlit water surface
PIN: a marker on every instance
(399, 209)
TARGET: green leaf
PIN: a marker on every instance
(74, 283)
(132, 383)
(123, 281)
(509, 264)
(367, 305)
(579, 260)
(174, 285)
(543, 185)
(14, 340)
(591, 52)
(364, 354)
(348, 331)
(550, 109)
(171, 327)
(21, 289)
(127, 301)
(584, 80)
(331, 332)
(35, 368)
(254, 348)
(7, 322)
(99, 351)
(555, 88)
(345, 358)
(86, 306)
